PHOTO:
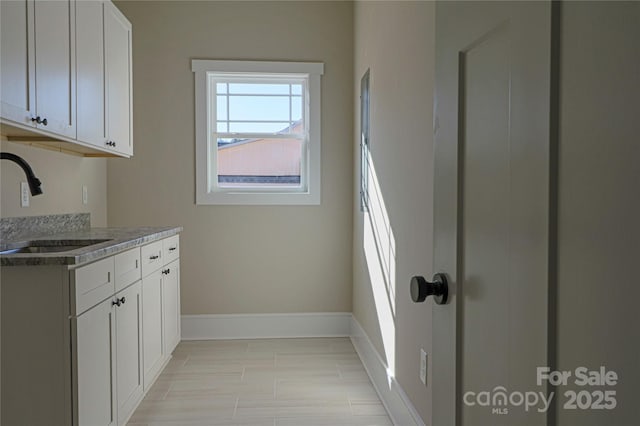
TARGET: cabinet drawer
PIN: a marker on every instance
(171, 249)
(127, 267)
(92, 284)
(151, 257)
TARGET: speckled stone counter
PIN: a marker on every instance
(119, 239)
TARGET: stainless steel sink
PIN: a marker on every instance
(51, 246)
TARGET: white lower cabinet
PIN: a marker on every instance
(154, 354)
(108, 349)
(129, 374)
(94, 358)
(97, 337)
(109, 359)
(161, 305)
(171, 303)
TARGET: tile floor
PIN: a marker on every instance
(274, 382)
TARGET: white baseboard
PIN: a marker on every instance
(400, 409)
(265, 326)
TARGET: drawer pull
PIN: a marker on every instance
(154, 257)
(172, 248)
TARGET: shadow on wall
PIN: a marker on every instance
(380, 254)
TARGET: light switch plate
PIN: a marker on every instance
(24, 194)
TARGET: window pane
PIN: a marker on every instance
(269, 162)
(221, 108)
(221, 88)
(258, 108)
(296, 89)
(258, 89)
(296, 108)
(254, 127)
(222, 127)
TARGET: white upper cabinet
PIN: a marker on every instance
(90, 73)
(55, 67)
(66, 76)
(38, 65)
(104, 76)
(117, 33)
(17, 59)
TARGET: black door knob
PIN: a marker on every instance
(421, 289)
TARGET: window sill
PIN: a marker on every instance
(258, 198)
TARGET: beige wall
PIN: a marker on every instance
(62, 177)
(396, 41)
(599, 208)
(239, 259)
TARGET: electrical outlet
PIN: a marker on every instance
(24, 194)
(85, 194)
(423, 367)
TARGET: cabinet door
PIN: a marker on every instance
(129, 349)
(171, 311)
(118, 77)
(90, 73)
(55, 65)
(152, 302)
(17, 61)
(94, 361)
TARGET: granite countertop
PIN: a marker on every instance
(119, 239)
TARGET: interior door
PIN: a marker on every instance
(492, 133)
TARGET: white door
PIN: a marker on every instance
(90, 73)
(94, 358)
(55, 66)
(153, 345)
(171, 311)
(492, 153)
(129, 349)
(17, 61)
(117, 32)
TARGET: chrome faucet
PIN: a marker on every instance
(34, 182)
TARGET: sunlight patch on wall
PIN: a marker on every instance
(380, 253)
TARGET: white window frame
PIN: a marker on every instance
(207, 191)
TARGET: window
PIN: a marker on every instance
(364, 142)
(257, 132)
